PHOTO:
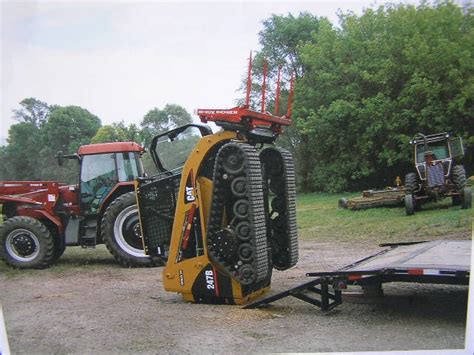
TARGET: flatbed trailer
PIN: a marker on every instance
(436, 262)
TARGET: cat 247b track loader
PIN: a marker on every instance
(226, 218)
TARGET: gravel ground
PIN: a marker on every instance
(109, 309)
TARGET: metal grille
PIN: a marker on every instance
(435, 175)
(157, 199)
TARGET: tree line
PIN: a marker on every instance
(43, 130)
(362, 90)
(365, 88)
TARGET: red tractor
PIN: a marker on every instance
(41, 218)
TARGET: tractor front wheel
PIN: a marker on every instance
(411, 183)
(466, 199)
(120, 230)
(409, 205)
(25, 242)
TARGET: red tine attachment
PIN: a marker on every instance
(249, 82)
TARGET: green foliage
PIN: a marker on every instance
(378, 80)
(20, 158)
(44, 129)
(41, 132)
(281, 39)
(174, 154)
(70, 127)
(66, 130)
(117, 132)
(157, 121)
(32, 111)
(22, 154)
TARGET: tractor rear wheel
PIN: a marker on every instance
(25, 242)
(120, 230)
(466, 199)
(411, 184)
(409, 205)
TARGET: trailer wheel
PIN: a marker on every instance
(25, 242)
(466, 201)
(409, 205)
(120, 229)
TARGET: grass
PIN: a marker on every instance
(320, 219)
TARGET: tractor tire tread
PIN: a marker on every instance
(459, 177)
(46, 241)
(107, 233)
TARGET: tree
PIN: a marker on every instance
(67, 129)
(117, 132)
(156, 120)
(42, 131)
(21, 155)
(70, 127)
(281, 39)
(32, 111)
(378, 80)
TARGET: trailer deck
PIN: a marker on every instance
(437, 262)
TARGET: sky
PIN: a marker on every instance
(120, 59)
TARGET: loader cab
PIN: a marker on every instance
(445, 149)
(103, 166)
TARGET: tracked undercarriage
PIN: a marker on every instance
(235, 221)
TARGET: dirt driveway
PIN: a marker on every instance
(102, 307)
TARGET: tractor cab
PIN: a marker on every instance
(437, 148)
(103, 166)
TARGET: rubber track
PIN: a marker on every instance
(285, 255)
(256, 216)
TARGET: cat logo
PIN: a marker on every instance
(190, 188)
(190, 194)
